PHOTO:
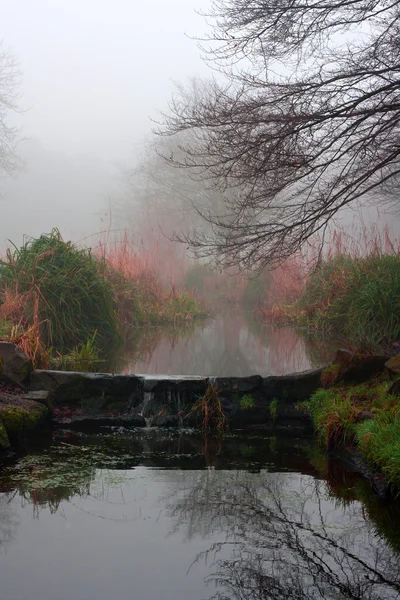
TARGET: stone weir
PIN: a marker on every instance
(88, 400)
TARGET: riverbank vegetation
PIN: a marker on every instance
(352, 292)
(61, 301)
(365, 417)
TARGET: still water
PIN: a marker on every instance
(231, 344)
(155, 515)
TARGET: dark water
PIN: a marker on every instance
(235, 343)
(174, 516)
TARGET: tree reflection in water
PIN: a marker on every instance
(233, 343)
(284, 539)
(8, 519)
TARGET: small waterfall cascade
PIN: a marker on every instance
(148, 399)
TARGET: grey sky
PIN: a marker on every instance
(95, 70)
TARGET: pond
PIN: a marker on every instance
(231, 344)
(156, 515)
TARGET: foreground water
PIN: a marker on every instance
(156, 515)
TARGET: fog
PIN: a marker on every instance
(93, 74)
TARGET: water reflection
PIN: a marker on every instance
(284, 537)
(173, 515)
(231, 344)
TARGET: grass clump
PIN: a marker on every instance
(358, 297)
(212, 416)
(273, 409)
(67, 307)
(83, 357)
(62, 291)
(379, 441)
(246, 402)
(363, 415)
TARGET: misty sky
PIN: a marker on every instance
(95, 70)
(93, 73)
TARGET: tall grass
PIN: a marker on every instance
(352, 290)
(142, 297)
(59, 288)
(57, 298)
(358, 297)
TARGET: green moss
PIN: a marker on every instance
(26, 371)
(273, 409)
(4, 441)
(19, 421)
(330, 375)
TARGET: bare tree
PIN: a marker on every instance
(9, 134)
(303, 122)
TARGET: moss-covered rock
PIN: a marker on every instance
(4, 441)
(17, 367)
(20, 417)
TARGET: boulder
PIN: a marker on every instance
(16, 366)
(168, 421)
(393, 364)
(19, 416)
(42, 396)
(69, 386)
(292, 388)
(343, 358)
(4, 441)
(362, 367)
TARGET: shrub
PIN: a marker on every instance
(63, 291)
(357, 297)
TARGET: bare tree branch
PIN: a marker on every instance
(305, 121)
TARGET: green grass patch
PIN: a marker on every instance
(273, 409)
(246, 402)
(364, 415)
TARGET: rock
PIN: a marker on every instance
(343, 358)
(365, 415)
(171, 394)
(4, 441)
(16, 365)
(292, 388)
(130, 420)
(20, 417)
(92, 423)
(393, 364)
(68, 386)
(394, 389)
(42, 396)
(168, 421)
(243, 385)
(363, 366)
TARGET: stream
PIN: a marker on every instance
(154, 514)
(230, 344)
